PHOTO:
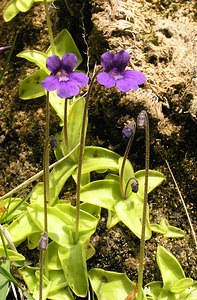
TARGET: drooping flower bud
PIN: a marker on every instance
(141, 120)
(129, 129)
(135, 186)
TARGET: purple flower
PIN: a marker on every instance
(115, 74)
(62, 78)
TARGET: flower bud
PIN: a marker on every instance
(141, 120)
(129, 129)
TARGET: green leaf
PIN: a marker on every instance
(65, 43)
(5, 272)
(62, 216)
(35, 56)
(13, 207)
(112, 219)
(30, 87)
(73, 262)
(28, 274)
(130, 211)
(12, 255)
(13, 7)
(75, 112)
(63, 294)
(103, 193)
(110, 285)
(58, 281)
(128, 173)
(53, 262)
(170, 268)
(21, 228)
(167, 230)
(58, 177)
(153, 289)
(58, 105)
(155, 178)
(181, 285)
(10, 11)
(4, 280)
(24, 5)
(98, 158)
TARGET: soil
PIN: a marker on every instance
(161, 37)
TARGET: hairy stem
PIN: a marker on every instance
(66, 126)
(81, 151)
(50, 32)
(144, 214)
(122, 189)
(44, 235)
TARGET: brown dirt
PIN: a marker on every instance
(160, 35)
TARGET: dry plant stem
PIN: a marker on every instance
(81, 151)
(6, 234)
(35, 177)
(3, 241)
(41, 273)
(183, 202)
(123, 192)
(50, 32)
(66, 126)
(144, 214)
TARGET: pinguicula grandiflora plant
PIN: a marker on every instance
(61, 231)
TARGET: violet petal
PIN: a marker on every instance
(139, 77)
(50, 83)
(121, 60)
(105, 79)
(69, 62)
(53, 64)
(67, 89)
(79, 78)
(107, 60)
(126, 84)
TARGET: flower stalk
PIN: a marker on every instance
(143, 122)
(81, 152)
(43, 243)
(50, 32)
(128, 131)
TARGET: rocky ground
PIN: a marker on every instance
(161, 37)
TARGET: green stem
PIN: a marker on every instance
(144, 214)
(43, 243)
(46, 165)
(81, 151)
(46, 7)
(122, 189)
(66, 126)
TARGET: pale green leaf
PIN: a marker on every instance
(30, 87)
(155, 178)
(73, 262)
(10, 11)
(110, 285)
(130, 211)
(4, 281)
(170, 268)
(35, 56)
(103, 193)
(181, 285)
